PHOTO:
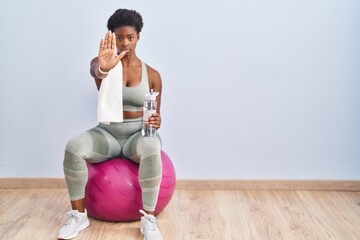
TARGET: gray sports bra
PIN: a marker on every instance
(133, 97)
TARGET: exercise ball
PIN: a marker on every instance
(113, 192)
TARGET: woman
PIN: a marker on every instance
(116, 139)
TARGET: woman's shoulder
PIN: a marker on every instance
(152, 73)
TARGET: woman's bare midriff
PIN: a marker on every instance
(129, 115)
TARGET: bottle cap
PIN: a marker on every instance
(151, 95)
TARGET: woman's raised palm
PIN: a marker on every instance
(108, 57)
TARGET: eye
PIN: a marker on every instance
(119, 38)
(131, 38)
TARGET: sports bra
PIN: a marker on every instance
(133, 97)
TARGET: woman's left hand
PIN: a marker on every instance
(154, 120)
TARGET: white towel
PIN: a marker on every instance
(110, 100)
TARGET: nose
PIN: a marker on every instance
(125, 42)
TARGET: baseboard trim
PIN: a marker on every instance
(306, 185)
(32, 183)
(181, 184)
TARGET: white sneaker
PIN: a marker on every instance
(77, 221)
(148, 227)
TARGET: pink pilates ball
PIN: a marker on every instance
(113, 191)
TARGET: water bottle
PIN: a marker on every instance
(149, 108)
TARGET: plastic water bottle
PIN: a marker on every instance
(149, 108)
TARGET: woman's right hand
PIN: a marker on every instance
(108, 57)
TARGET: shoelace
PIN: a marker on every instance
(150, 223)
(73, 217)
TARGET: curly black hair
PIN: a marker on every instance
(125, 17)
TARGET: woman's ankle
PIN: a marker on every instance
(78, 205)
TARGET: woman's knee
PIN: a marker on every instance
(75, 151)
(79, 144)
(148, 146)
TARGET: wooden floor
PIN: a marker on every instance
(230, 215)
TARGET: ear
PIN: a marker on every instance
(138, 36)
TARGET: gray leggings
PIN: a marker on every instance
(115, 140)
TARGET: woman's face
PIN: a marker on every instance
(126, 38)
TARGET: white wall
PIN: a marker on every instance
(252, 89)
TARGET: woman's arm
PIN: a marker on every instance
(94, 71)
